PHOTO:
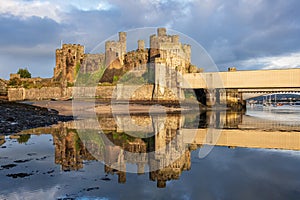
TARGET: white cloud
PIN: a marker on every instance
(25, 9)
(271, 62)
(89, 5)
(104, 6)
(286, 61)
(46, 194)
(55, 9)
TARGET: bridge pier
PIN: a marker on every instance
(230, 98)
(234, 99)
(211, 97)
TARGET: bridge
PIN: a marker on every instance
(245, 139)
(261, 80)
(239, 83)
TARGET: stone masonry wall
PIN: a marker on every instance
(16, 94)
(133, 92)
(120, 92)
(21, 94)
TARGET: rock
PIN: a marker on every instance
(16, 117)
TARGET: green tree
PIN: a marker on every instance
(23, 138)
(24, 73)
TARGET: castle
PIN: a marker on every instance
(166, 57)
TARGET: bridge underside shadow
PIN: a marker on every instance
(226, 98)
(200, 95)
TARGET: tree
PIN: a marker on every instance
(24, 73)
(23, 138)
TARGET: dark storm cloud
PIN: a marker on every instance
(238, 30)
(233, 32)
(28, 32)
(28, 43)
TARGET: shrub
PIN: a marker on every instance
(24, 73)
(14, 82)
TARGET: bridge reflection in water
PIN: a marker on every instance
(164, 148)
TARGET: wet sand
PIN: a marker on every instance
(77, 107)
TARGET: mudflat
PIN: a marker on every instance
(16, 117)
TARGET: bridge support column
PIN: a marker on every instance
(210, 97)
(235, 99)
(221, 97)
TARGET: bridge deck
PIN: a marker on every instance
(244, 138)
(285, 78)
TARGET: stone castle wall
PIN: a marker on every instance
(133, 92)
(119, 92)
(20, 94)
(3, 87)
(92, 62)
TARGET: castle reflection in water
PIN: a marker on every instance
(160, 145)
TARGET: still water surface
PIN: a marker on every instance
(255, 155)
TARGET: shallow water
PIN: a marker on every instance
(62, 162)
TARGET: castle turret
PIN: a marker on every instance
(141, 44)
(161, 32)
(122, 40)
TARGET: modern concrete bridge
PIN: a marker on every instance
(247, 81)
(217, 85)
(243, 138)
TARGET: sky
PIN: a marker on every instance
(256, 34)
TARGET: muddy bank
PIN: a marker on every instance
(16, 117)
(107, 107)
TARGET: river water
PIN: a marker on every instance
(212, 155)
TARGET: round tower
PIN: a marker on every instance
(122, 40)
(141, 44)
(161, 32)
(175, 39)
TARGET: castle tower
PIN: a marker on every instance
(141, 44)
(68, 58)
(123, 40)
(166, 51)
(116, 49)
(175, 39)
(161, 32)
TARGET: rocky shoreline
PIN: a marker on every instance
(16, 117)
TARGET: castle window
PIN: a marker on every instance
(117, 54)
(69, 50)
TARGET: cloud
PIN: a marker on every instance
(46, 194)
(32, 31)
(231, 31)
(250, 29)
(291, 60)
(280, 62)
(26, 9)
